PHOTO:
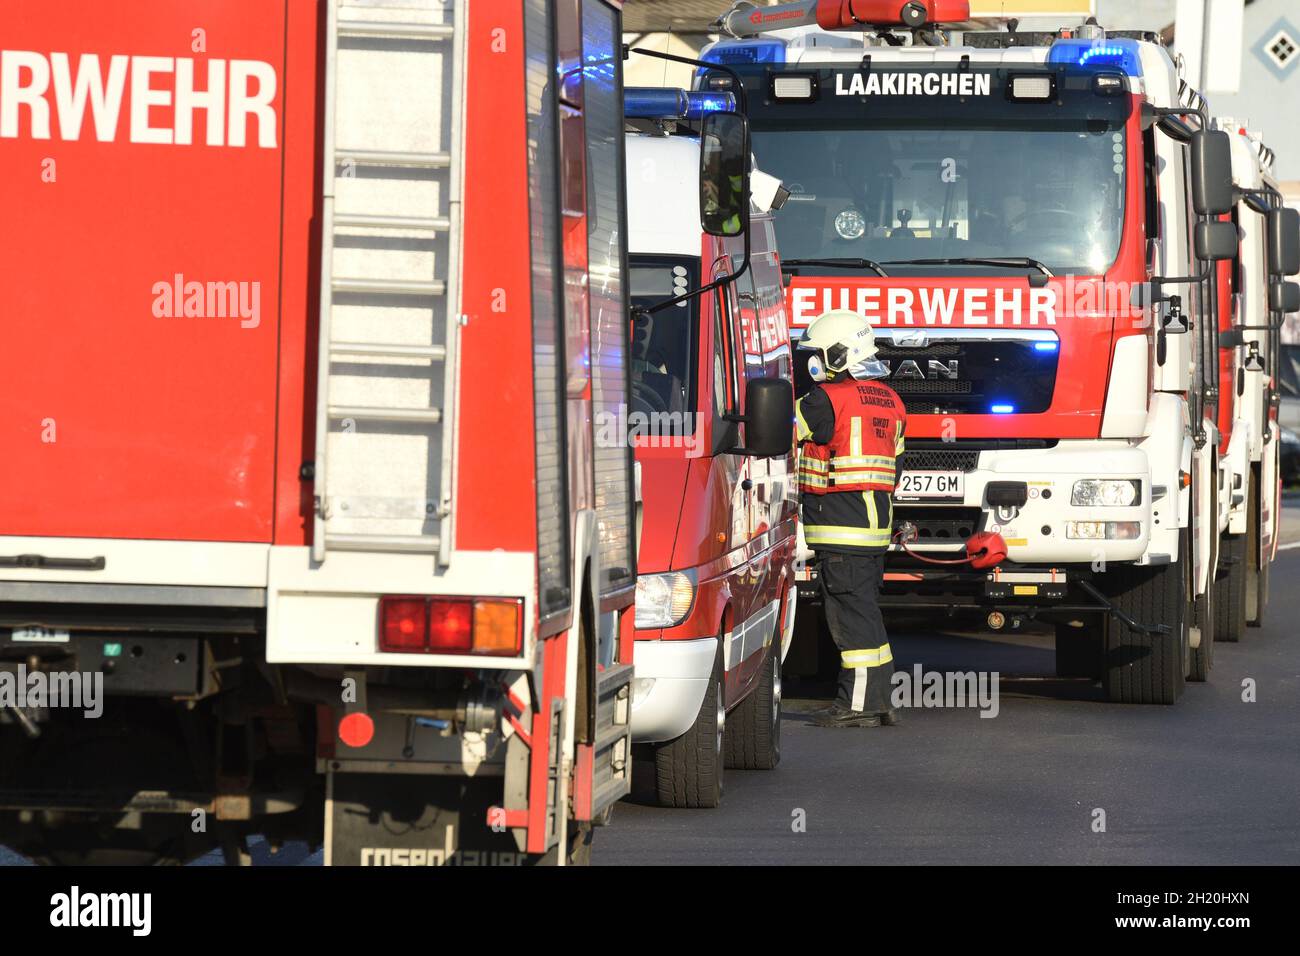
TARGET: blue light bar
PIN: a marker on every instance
(1046, 346)
(1002, 409)
(1120, 54)
(745, 51)
(653, 102)
(699, 103)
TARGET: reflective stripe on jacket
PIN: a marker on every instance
(865, 437)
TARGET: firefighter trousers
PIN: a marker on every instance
(850, 585)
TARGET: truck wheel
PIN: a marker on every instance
(1201, 658)
(93, 846)
(1256, 570)
(1203, 617)
(1230, 591)
(753, 737)
(1146, 668)
(580, 836)
(688, 770)
(1081, 651)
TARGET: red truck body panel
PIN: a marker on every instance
(177, 249)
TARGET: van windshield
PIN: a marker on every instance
(663, 348)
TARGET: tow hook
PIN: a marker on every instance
(1132, 625)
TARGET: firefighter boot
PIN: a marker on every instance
(837, 715)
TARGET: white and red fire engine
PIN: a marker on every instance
(314, 310)
(1032, 222)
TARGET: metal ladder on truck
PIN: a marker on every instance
(394, 73)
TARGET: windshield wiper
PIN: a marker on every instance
(1010, 262)
(843, 262)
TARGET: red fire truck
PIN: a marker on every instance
(1031, 220)
(312, 310)
(1252, 305)
(715, 597)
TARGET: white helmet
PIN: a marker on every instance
(843, 341)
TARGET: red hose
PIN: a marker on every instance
(985, 549)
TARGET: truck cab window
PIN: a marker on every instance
(663, 348)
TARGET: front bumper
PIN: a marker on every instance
(669, 686)
(1036, 533)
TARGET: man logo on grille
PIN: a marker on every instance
(910, 368)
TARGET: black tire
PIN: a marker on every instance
(1200, 659)
(1230, 591)
(1144, 668)
(688, 770)
(1081, 651)
(753, 735)
(90, 845)
(1256, 570)
(580, 837)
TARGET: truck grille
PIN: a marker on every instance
(939, 525)
(905, 387)
(935, 459)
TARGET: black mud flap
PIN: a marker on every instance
(414, 820)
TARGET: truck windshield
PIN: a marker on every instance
(663, 344)
(891, 193)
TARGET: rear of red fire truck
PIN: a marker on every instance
(1031, 221)
(313, 309)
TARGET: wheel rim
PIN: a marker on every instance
(776, 701)
(776, 690)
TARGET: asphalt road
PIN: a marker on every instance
(1211, 780)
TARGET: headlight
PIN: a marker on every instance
(850, 224)
(1106, 492)
(1104, 530)
(664, 600)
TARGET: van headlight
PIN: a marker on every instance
(664, 600)
(1106, 492)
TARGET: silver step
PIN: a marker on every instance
(386, 157)
(382, 350)
(423, 223)
(388, 286)
(368, 414)
(404, 543)
(408, 31)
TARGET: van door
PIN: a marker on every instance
(756, 612)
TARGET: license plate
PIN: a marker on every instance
(931, 484)
(39, 635)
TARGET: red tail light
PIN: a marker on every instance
(451, 623)
(405, 622)
(410, 624)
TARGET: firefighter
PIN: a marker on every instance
(850, 430)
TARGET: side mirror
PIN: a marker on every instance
(1211, 172)
(768, 418)
(1215, 240)
(1283, 242)
(724, 174)
(1284, 297)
